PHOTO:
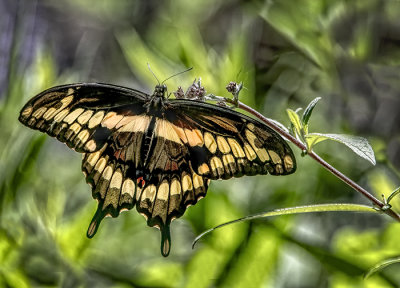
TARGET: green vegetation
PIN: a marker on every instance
(286, 53)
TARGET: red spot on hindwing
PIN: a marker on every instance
(140, 182)
(120, 154)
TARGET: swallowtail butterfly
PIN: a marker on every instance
(151, 152)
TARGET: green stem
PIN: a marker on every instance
(317, 158)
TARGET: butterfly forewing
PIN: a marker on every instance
(73, 113)
(224, 144)
(156, 154)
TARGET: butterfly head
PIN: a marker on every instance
(160, 90)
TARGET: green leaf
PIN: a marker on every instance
(393, 194)
(381, 265)
(359, 145)
(295, 120)
(294, 210)
(307, 113)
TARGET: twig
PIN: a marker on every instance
(317, 158)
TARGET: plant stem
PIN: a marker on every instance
(321, 161)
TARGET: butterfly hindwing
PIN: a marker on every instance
(163, 197)
(168, 198)
(111, 186)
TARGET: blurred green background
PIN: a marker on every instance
(286, 53)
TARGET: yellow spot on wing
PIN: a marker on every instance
(84, 118)
(27, 111)
(125, 120)
(179, 131)
(75, 128)
(262, 154)
(116, 180)
(229, 163)
(251, 126)
(100, 165)
(228, 160)
(73, 115)
(236, 148)
(70, 92)
(67, 100)
(275, 157)
(223, 145)
(128, 187)
(203, 169)
(96, 119)
(187, 183)
(111, 120)
(149, 193)
(93, 158)
(91, 145)
(49, 113)
(250, 154)
(60, 116)
(216, 163)
(163, 191)
(251, 138)
(107, 173)
(209, 142)
(194, 137)
(175, 187)
(83, 136)
(64, 103)
(39, 112)
(138, 124)
(288, 161)
(197, 181)
(166, 130)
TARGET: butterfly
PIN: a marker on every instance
(152, 152)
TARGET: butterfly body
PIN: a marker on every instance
(151, 152)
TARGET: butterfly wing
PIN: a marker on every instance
(73, 113)
(224, 143)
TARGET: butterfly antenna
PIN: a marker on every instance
(148, 65)
(184, 71)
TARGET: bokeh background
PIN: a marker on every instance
(286, 53)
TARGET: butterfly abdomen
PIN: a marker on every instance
(148, 143)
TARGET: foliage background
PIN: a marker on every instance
(286, 53)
